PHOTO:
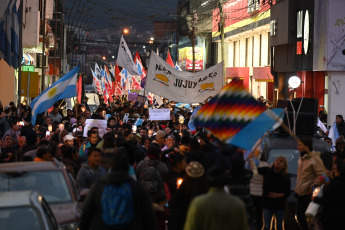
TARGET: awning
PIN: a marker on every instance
(262, 74)
(240, 72)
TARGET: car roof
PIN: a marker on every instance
(17, 198)
(291, 143)
(29, 166)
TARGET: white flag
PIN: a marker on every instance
(124, 58)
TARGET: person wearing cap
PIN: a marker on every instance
(193, 184)
(69, 140)
(216, 209)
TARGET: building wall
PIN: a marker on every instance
(336, 95)
(7, 83)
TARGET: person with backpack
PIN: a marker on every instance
(117, 201)
(151, 171)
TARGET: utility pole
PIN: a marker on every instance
(220, 5)
(20, 56)
(43, 42)
(55, 35)
(193, 37)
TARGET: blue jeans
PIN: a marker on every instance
(268, 213)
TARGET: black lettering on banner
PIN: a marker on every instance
(160, 68)
(187, 84)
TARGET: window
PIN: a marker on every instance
(51, 185)
(299, 24)
(247, 52)
(235, 54)
(253, 5)
(260, 47)
(269, 50)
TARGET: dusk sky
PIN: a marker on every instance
(113, 14)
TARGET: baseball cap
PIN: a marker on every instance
(68, 137)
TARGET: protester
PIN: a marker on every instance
(216, 209)
(101, 207)
(310, 168)
(276, 189)
(333, 199)
(91, 172)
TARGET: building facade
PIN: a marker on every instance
(247, 44)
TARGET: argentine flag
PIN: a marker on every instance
(65, 87)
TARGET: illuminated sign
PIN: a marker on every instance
(28, 68)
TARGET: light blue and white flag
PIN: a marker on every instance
(9, 35)
(178, 67)
(250, 134)
(333, 133)
(65, 87)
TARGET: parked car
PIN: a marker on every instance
(286, 146)
(51, 180)
(25, 210)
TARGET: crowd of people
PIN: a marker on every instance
(176, 178)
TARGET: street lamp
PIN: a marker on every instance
(103, 57)
(294, 82)
(125, 31)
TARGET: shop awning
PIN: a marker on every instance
(262, 74)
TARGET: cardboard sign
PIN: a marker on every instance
(132, 96)
(100, 124)
(159, 114)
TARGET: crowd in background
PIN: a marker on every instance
(172, 163)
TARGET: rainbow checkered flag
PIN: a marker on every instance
(229, 111)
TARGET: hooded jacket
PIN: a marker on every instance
(156, 163)
(310, 168)
(144, 216)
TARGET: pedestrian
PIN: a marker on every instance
(128, 200)
(333, 199)
(91, 172)
(216, 209)
(276, 189)
(193, 184)
(310, 168)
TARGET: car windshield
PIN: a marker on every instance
(51, 184)
(290, 154)
(19, 218)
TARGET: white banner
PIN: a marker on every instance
(182, 86)
(100, 124)
(124, 58)
(159, 114)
